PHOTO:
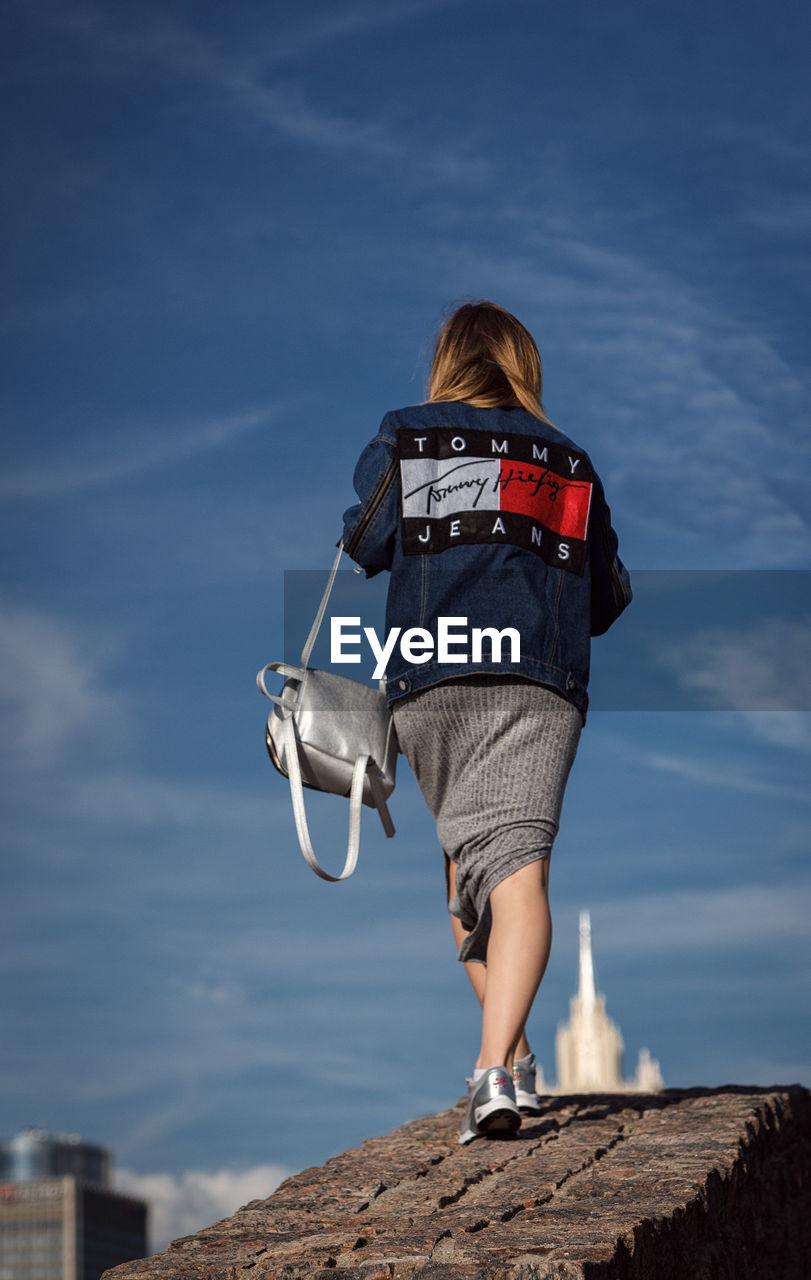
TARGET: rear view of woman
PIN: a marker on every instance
(503, 562)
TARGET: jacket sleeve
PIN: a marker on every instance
(610, 583)
(370, 525)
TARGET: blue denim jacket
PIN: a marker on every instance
(487, 515)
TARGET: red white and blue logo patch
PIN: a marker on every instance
(476, 487)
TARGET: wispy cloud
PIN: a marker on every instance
(760, 136)
(762, 671)
(181, 1204)
(244, 78)
(53, 686)
(786, 217)
(740, 917)
(137, 453)
(138, 801)
(350, 21)
(791, 729)
(709, 771)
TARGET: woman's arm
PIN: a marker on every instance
(370, 526)
(610, 583)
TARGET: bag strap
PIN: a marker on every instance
(300, 815)
(281, 669)
(309, 643)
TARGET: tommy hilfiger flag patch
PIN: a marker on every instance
(477, 486)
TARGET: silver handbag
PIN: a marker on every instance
(331, 734)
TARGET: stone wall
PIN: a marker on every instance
(698, 1184)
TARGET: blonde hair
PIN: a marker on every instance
(486, 357)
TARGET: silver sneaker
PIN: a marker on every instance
(527, 1100)
(491, 1106)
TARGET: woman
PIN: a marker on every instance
(503, 563)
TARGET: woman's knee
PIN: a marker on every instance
(528, 882)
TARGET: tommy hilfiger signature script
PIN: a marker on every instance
(437, 491)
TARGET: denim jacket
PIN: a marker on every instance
(493, 517)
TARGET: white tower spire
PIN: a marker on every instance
(587, 990)
(589, 1045)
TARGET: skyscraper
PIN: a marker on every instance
(589, 1046)
(59, 1219)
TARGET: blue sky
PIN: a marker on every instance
(229, 236)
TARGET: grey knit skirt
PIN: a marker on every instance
(492, 757)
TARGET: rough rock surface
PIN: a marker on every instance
(698, 1184)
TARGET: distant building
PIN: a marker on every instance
(589, 1046)
(59, 1219)
(34, 1154)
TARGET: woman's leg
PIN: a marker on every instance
(476, 972)
(517, 954)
